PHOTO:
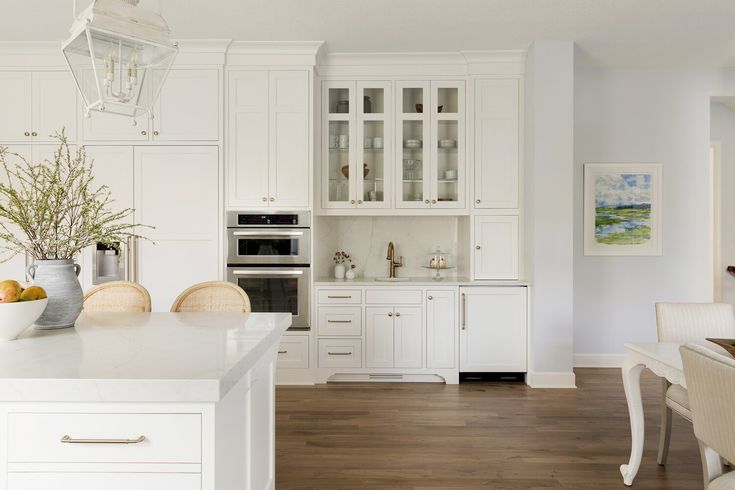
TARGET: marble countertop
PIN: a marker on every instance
(140, 357)
(414, 281)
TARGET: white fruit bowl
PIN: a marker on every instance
(16, 317)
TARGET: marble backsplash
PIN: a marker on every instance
(366, 240)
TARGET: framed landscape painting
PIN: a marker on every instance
(622, 209)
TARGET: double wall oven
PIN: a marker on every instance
(269, 256)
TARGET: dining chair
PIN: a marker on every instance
(212, 296)
(710, 379)
(117, 297)
(684, 323)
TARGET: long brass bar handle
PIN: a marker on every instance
(339, 353)
(69, 440)
(464, 311)
(339, 321)
(339, 297)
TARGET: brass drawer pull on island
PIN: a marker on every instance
(339, 297)
(70, 440)
(339, 353)
(339, 321)
(283, 352)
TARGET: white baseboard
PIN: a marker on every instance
(598, 360)
(550, 380)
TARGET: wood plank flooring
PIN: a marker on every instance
(476, 435)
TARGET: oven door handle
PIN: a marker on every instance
(267, 273)
(267, 234)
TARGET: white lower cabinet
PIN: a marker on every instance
(404, 333)
(293, 353)
(493, 333)
(108, 481)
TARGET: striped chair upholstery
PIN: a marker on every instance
(710, 380)
(682, 323)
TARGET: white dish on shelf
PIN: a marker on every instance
(447, 143)
(412, 144)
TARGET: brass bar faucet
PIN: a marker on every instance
(392, 264)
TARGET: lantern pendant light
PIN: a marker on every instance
(119, 54)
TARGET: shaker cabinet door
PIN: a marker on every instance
(379, 337)
(188, 108)
(407, 337)
(441, 329)
(15, 100)
(497, 247)
(248, 158)
(289, 139)
(54, 105)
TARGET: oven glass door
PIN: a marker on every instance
(276, 290)
(269, 247)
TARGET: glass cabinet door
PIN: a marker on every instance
(374, 137)
(448, 145)
(413, 153)
(338, 150)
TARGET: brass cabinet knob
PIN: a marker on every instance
(359, 201)
(34, 134)
(477, 247)
(477, 201)
(433, 201)
(265, 199)
(273, 199)
(426, 202)
(430, 298)
(155, 133)
(390, 314)
(26, 133)
(352, 201)
(144, 133)
(398, 314)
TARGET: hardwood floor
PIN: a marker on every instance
(476, 435)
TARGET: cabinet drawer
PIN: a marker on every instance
(393, 297)
(340, 320)
(340, 296)
(108, 481)
(340, 353)
(293, 353)
(169, 438)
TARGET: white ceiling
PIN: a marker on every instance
(608, 32)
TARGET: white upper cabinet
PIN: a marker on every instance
(41, 104)
(430, 130)
(269, 135)
(496, 143)
(357, 145)
(188, 108)
(497, 247)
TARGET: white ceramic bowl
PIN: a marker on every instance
(16, 317)
(447, 143)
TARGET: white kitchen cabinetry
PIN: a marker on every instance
(41, 103)
(441, 328)
(430, 120)
(357, 145)
(493, 333)
(396, 322)
(497, 148)
(497, 247)
(268, 162)
(188, 110)
(177, 192)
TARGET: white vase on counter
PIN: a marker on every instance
(350, 274)
(339, 271)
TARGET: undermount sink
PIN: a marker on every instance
(392, 279)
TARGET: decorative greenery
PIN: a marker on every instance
(52, 210)
(341, 257)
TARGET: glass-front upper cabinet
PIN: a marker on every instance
(356, 144)
(431, 136)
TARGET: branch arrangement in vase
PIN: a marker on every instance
(52, 210)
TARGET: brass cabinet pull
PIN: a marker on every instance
(339, 353)
(265, 199)
(144, 133)
(427, 201)
(71, 440)
(339, 321)
(283, 352)
(27, 133)
(339, 297)
(464, 311)
(430, 298)
(34, 134)
(359, 201)
(352, 201)
(477, 201)
(390, 314)
(477, 247)
(398, 314)
(433, 201)
(155, 133)
(273, 199)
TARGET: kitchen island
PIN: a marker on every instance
(177, 401)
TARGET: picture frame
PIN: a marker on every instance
(622, 209)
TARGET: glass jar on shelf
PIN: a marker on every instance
(439, 261)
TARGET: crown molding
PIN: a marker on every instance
(270, 53)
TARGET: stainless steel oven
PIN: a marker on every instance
(269, 256)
